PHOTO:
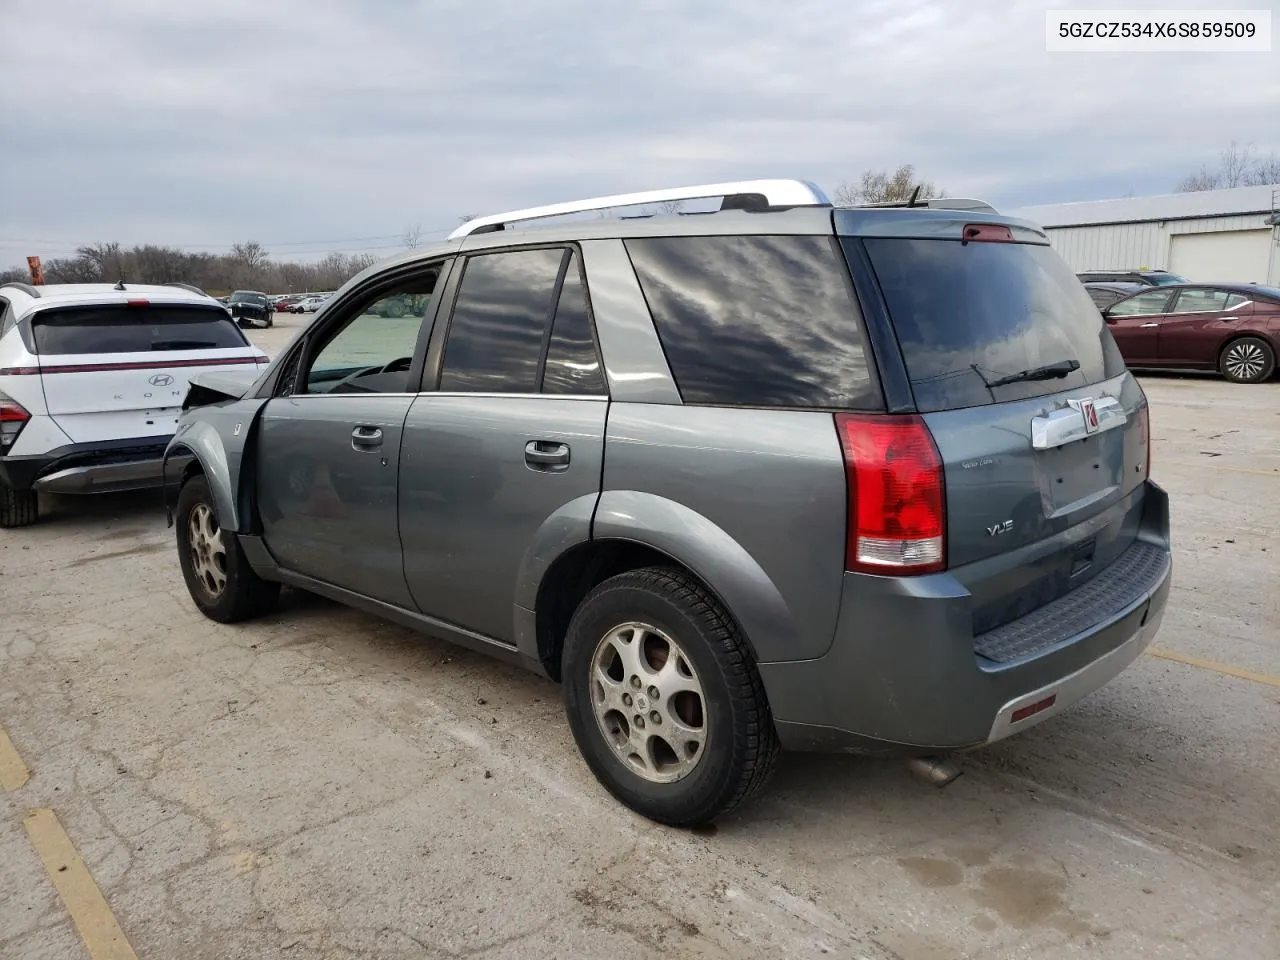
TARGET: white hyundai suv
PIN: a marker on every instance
(92, 379)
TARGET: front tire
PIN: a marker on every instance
(218, 575)
(664, 698)
(18, 508)
(1247, 360)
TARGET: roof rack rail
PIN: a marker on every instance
(753, 195)
(185, 286)
(935, 203)
(28, 289)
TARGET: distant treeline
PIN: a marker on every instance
(247, 267)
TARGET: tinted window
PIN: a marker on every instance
(573, 365)
(125, 329)
(495, 337)
(1156, 301)
(1163, 278)
(967, 314)
(756, 321)
(1200, 301)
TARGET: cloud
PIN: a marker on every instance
(320, 120)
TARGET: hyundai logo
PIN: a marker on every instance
(160, 380)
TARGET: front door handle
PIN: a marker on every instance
(366, 439)
(1151, 324)
(546, 455)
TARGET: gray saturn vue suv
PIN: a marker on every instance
(779, 475)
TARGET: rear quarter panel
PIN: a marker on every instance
(752, 501)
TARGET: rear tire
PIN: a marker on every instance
(1247, 360)
(218, 575)
(664, 698)
(18, 508)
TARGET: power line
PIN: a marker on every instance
(323, 244)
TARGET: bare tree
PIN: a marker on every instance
(1238, 166)
(15, 275)
(412, 237)
(881, 186)
(1266, 170)
(251, 254)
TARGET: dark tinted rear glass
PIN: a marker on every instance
(969, 314)
(573, 366)
(757, 321)
(495, 336)
(124, 329)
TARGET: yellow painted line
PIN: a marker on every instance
(1223, 466)
(94, 921)
(13, 772)
(1223, 668)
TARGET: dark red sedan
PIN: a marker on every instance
(1233, 328)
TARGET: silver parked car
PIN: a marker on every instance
(782, 475)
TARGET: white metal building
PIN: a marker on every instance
(1223, 235)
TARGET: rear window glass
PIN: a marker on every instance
(757, 321)
(124, 329)
(968, 315)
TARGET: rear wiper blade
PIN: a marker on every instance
(1050, 371)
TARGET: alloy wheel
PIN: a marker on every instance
(208, 551)
(1244, 361)
(649, 702)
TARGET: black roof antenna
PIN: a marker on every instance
(915, 194)
(120, 284)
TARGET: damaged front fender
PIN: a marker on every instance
(219, 436)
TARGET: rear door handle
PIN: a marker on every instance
(546, 455)
(366, 439)
(1151, 324)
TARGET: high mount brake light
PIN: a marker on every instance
(897, 514)
(987, 233)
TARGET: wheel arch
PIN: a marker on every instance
(632, 530)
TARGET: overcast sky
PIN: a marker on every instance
(313, 125)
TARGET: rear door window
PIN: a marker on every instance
(968, 315)
(1200, 301)
(573, 364)
(119, 328)
(495, 339)
(757, 321)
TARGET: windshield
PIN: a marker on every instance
(240, 296)
(1163, 278)
(973, 319)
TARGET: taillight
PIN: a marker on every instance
(897, 517)
(13, 417)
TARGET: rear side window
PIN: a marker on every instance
(757, 321)
(573, 365)
(970, 314)
(499, 321)
(118, 328)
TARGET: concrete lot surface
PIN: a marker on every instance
(321, 784)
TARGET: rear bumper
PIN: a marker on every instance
(102, 467)
(903, 674)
